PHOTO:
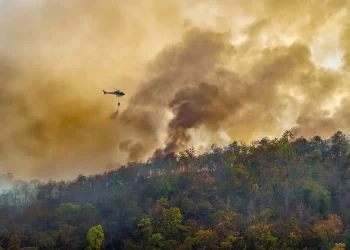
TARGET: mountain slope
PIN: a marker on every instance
(283, 193)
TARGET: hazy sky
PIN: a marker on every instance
(194, 72)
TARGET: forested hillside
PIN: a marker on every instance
(285, 193)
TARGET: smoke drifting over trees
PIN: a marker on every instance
(246, 69)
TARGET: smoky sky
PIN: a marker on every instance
(191, 70)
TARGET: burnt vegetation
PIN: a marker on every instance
(282, 193)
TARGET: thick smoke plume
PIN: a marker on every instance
(207, 69)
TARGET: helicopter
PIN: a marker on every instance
(117, 93)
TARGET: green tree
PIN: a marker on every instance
(230, 241)
(95, 237)
(259, 236)
(163, 202)
(156, 240)
(69, 212)
(172, 219)
(314, 196)
(44, 240)
(145, 230)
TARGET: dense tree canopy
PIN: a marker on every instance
(283, 193)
